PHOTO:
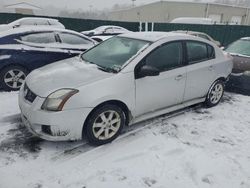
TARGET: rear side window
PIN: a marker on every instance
(43, 38)
(198, 51)
(73, 39)
(166, 57)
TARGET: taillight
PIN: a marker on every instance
(227, 55)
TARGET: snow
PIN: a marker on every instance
(194, 147)
(2, 57)
(42, 47)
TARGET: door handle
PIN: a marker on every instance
(179, 77)
(211, 67)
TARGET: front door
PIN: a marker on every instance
(167, 89)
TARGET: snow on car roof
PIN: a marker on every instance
(36, 18)
(34, 29)
(245, 38)
(105, 26)
(153, 36)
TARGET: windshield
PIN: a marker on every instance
(241, 46)
(112, 54)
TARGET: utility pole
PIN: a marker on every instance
(133, 3)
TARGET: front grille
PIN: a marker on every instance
(28, 94)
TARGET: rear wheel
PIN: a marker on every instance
(105, 124)
(12, 77)
(215, 94)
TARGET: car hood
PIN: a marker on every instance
(69, 73)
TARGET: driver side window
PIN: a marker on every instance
(166, 57)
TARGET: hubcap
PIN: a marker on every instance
(216, 93)
(106, 125)
(14, 78)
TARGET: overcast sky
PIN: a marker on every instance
(76, 4)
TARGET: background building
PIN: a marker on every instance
(20, 8)
(166, 11)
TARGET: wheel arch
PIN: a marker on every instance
(14, 64)
(118, 103)
(221, 79)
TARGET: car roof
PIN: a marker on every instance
(109, 26)
(34, 29)
(155, 36)
(36, 18)
(189, 32)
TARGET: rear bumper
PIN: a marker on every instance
(63, 125)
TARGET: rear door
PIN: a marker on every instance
(39, 49)
(200, 69)
(167, 89)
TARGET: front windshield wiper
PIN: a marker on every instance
(107, 69)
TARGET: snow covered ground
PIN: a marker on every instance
(195, 147)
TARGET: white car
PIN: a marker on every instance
(32, 21)
(106, 30)
(121, 81)
(101, 38)
(193, 20)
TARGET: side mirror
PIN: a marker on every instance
(147, 70)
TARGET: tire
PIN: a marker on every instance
(12, 77)
(99, 128)
(215, 93)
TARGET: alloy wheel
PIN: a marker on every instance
(14, 78)
(106, 125)
(216, 93)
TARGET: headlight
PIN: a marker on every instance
(56, 100)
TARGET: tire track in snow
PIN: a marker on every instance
(129, 131)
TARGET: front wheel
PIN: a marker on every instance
(104, 124)
(12, 77)
(215, 94)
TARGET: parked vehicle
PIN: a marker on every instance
(25, 49)
(106, 30)
(126, 79)
(101, 38)
(202, 35)
(193, 20)
(240, 79)
(32, 21)
(240, 51)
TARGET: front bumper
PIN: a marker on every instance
(239, 83)
(63, 125)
